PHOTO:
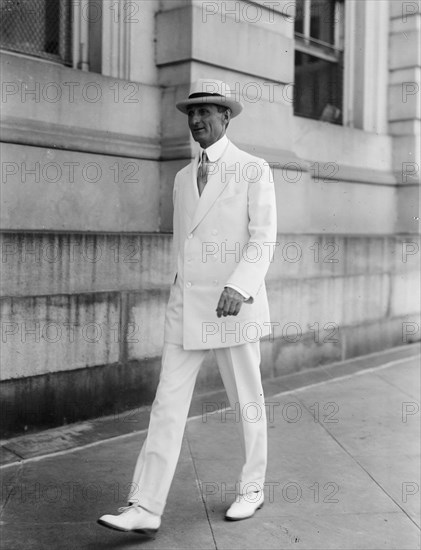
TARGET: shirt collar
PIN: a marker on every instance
(216, 150)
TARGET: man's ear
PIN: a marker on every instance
(227, 116)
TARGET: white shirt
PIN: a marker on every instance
(214, 152)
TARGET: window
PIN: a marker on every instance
(319, 38)
(41, 28)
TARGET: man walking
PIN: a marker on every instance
(224, 236)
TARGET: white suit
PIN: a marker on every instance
(224, 237)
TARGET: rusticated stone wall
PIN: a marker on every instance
(83, 315)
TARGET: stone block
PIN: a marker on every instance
(146, 316)
(365, 298)
(37, 264)
(322, 142)
(308, 206)
(405, 293)
(404, 51)
(298, 306)
(39, 402)
(253, 42)
(306, 256)
(406, 159)
(141, 19)
(46, 189)
(408, 220)
(368, 254)
(48, 334)
(306, 353)
(380, 335)
(174, 47)
(404, 101)
(406, 253)
(233, 35)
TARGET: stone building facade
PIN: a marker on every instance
(90, 144)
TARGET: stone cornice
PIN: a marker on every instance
(58, 136)
(41, 134)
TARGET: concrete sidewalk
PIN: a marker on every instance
(344, 470)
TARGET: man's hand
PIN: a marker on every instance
(229, 303)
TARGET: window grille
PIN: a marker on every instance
(318, 87)
(40, 28)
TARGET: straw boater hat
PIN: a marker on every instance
(211, 91)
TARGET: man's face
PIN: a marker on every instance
(206, 123)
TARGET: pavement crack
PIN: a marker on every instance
(200, 490)
(17, 476)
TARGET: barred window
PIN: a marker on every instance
(319, 47)
(41, 28)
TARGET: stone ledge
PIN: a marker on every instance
(59, 136)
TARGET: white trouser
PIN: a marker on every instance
(240, 371)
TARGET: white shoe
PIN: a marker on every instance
(133, 518)
(245, 506)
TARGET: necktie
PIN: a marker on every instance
(202, 173)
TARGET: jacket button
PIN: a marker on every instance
(190, 236)
(188, 284)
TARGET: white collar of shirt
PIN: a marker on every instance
(215, 151)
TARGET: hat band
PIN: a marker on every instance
(204, 94)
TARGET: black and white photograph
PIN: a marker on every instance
(210, 274)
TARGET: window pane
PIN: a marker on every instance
(318, 88)
(322, 22)
(36, 27)
(299, 16)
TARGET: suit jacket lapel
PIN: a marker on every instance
(215, 185)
